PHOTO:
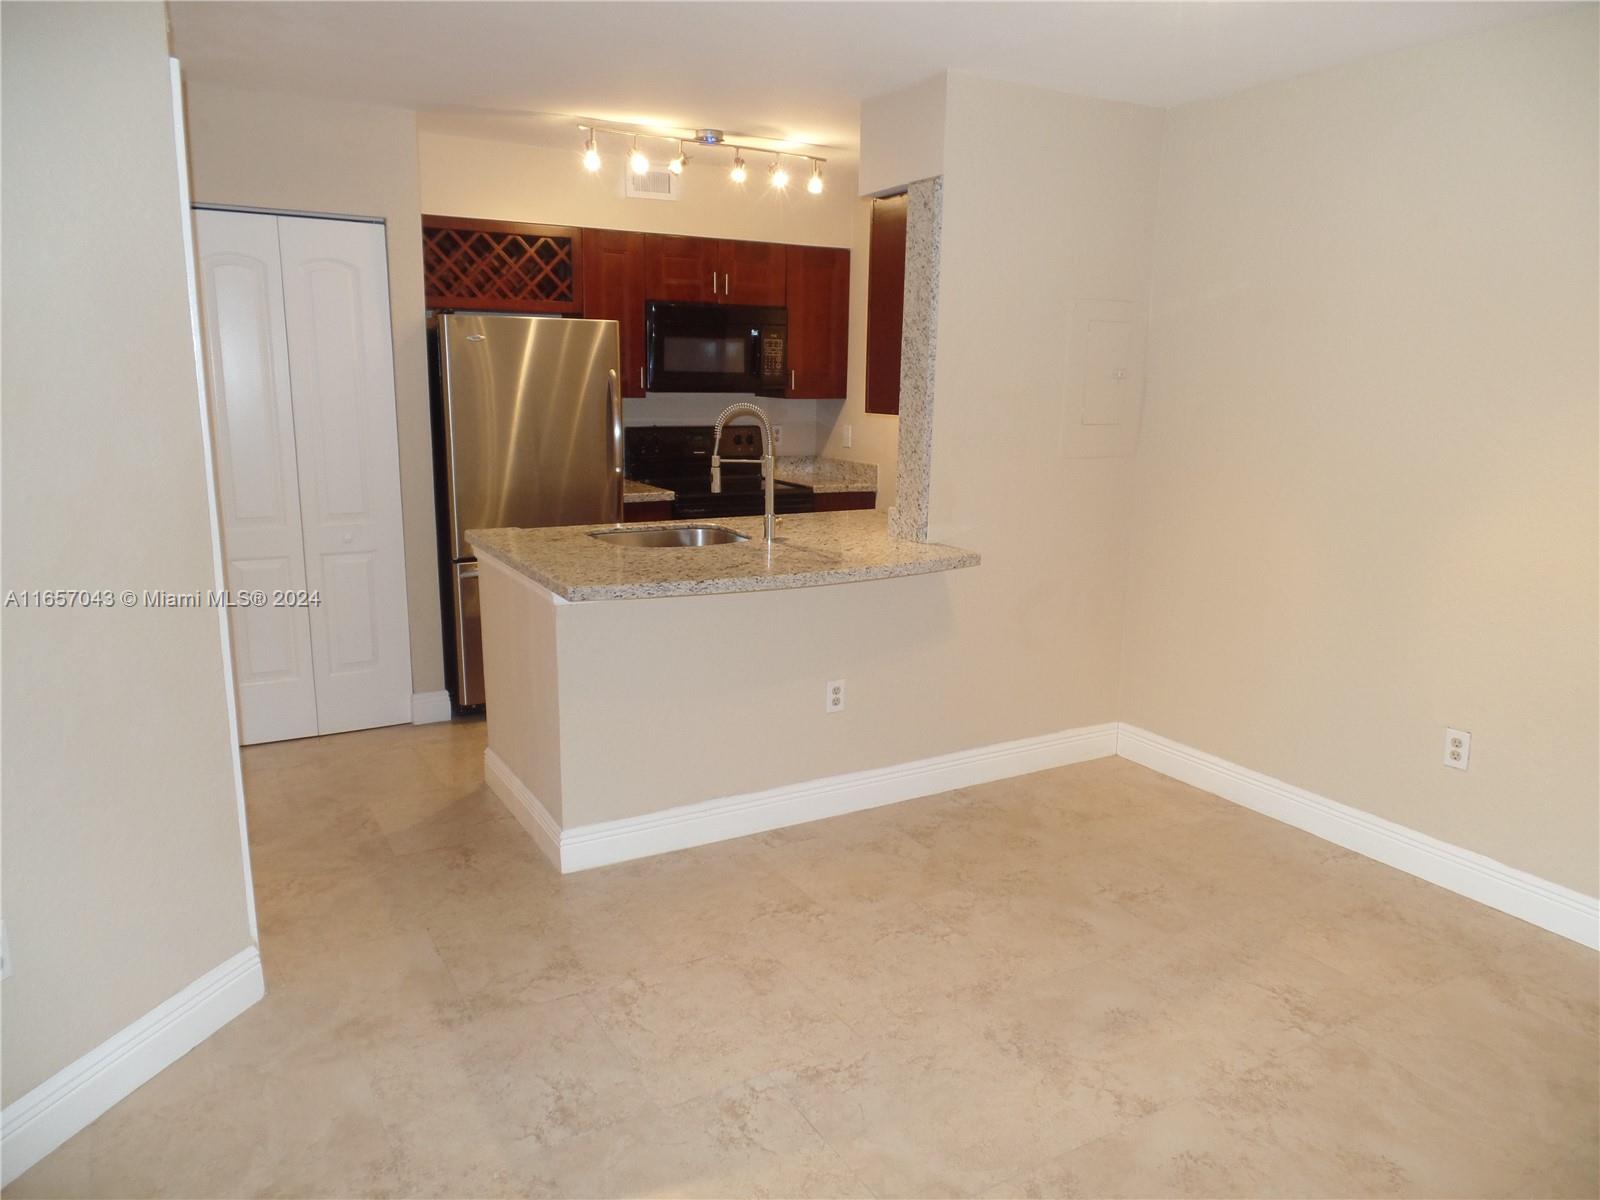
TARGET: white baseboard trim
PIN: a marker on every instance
(1537, 901)
(606, 842)
(529, 811)
(429, 708)
(38, 1122)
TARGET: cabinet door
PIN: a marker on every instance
(681, 268)
(247, 376)
(341, 380)
(613, 266)
(886, 302)
(843, 501)
(753, 273)
(819, 321)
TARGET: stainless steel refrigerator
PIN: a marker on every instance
(530, 415)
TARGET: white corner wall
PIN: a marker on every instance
(124, 877)
(1365, 504)
(903, 136)
(1028, 234)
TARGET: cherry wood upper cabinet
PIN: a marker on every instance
(613, 263)
(682, 268)
(753, 273)
(819, 321)
(886, 299)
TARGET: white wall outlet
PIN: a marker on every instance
(833, 699)
(777, 435)
(849, 437)
(1457, 748)
(5, 952)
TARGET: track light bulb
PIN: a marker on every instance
(814, 184)
(638, 163)
(780, 177)
(676, 165)
(738, 174)
(591, 154)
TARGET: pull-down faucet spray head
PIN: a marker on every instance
(767, 461)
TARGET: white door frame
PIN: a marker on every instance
(381, 222)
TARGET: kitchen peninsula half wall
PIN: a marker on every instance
(669, 690)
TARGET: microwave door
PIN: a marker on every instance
(714, 347)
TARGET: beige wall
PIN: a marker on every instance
(1013, 270)
(273, 150)
(644, 690)
(124, 877)
(903, 136)
(515, 181)
(1366, 495)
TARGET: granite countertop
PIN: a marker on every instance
(645, 493)
(811, 549)
(827, 474)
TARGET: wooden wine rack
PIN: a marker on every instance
(506, 266)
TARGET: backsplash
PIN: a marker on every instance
(797, 418)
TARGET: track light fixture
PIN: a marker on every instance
(739, 172)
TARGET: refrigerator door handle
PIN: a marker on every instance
(614, 396)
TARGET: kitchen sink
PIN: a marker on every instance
(677, 535)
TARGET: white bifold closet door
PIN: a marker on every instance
(296, 318)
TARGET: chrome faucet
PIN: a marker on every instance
(768, 464)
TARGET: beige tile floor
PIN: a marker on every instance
(1088, 982)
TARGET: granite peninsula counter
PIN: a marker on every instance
(810, 550)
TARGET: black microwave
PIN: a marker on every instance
(716, 348)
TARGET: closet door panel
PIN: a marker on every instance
(336, 305)
(247, 372)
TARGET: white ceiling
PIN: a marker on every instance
(791, 71)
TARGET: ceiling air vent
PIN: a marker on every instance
(652, 185)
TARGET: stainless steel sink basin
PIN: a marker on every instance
(678, 535)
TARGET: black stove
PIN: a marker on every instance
(678, 457)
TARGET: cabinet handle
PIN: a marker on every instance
(614, 402)
(713, 283)
(791, 379)
(725, 283)
(641, 379)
